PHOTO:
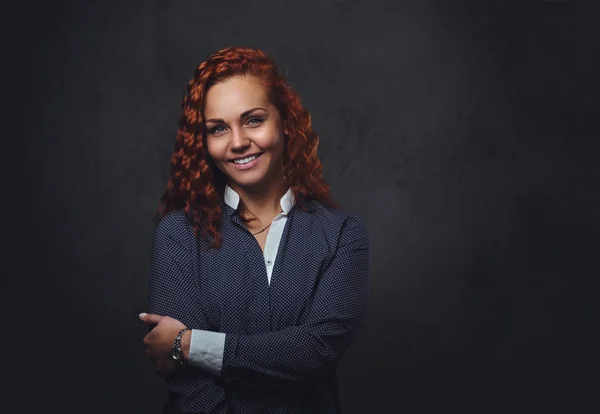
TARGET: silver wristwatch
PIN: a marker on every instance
(176, 353)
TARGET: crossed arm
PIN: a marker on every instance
(294, 355)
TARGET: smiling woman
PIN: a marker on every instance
(247, 145)
(258, 281)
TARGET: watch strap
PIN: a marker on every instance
(177, 352)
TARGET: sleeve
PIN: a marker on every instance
(206, 350)
(307, 352)
(173, 291)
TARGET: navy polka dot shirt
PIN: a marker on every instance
(283, 339)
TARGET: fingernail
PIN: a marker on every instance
(142, 315)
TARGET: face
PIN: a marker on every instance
(244, 133)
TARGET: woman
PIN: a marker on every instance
(258, 281)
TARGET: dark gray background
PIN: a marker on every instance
(465, 134)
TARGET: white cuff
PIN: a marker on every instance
(206, 350)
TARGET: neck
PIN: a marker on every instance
(262, 203)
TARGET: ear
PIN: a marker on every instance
(286, 130)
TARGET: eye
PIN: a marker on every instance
(255, 121)
(216, 130)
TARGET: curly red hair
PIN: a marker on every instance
(195, 184)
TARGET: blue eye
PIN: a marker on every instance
(216, 130)
(255, 120)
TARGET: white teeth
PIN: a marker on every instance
(245, 160)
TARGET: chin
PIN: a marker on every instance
(247, 180)
(249, 184)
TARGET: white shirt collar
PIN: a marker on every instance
(232, 199)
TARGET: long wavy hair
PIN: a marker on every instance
(196, 184)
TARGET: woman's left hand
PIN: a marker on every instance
(159, 342)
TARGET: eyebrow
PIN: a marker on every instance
(243, 115)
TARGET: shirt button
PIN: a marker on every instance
(269, 263)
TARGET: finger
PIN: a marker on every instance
(152, 351)
(150, 318)
(150, 338)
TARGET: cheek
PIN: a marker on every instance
(214, 149)
(269, 139)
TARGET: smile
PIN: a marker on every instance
(248, 162)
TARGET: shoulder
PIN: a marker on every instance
(339, 223)
(174, 228)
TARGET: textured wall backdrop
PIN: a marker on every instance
(466, 136)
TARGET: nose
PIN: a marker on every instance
(239, 141)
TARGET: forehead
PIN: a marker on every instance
(234, 96)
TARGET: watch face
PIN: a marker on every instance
(176, 353)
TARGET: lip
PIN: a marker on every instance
(248, 165)
(245, 156)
